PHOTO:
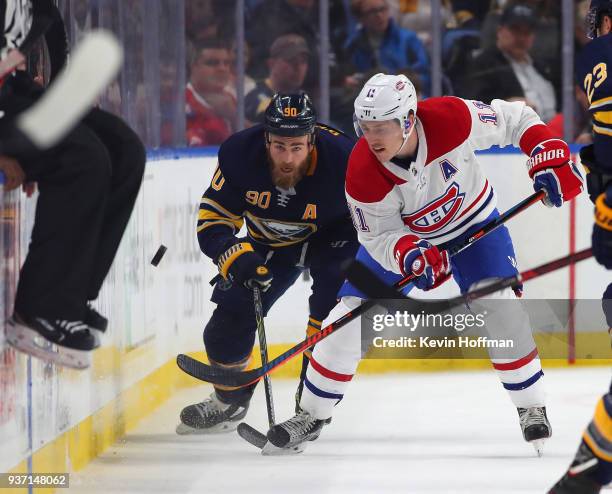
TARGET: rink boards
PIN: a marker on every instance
(56, 419)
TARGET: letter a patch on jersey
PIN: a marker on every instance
(448, 170)
(310, 213)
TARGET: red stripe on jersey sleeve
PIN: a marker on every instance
(533, 136)
(447, 124)
(367, 180)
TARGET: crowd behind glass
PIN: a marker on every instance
(179, 83)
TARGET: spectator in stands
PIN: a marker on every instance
(507, 71)
(200, 21)
(287, 66)
(416, 16)
(380, 44)
(462, 39)
(469, 14)
(273, 18)
(211, 108)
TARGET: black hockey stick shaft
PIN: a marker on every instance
(263, 351)
(497, 222)
(216, 375)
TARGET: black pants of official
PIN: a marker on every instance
(87, 184)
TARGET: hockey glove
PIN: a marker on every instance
(551, 169)
(241, 264)
(602, 230)
(430, 266)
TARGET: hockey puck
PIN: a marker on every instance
(158, 255)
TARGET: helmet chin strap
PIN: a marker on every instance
(406, 137)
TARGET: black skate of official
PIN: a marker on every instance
(94, 319)
(291, 436)
(211, 416)
(63, 342)
(535, 426)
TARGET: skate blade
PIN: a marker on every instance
(186, 430)
(538, 445)
(28, 341)
(270, 450)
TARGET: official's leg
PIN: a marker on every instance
(127, 159)
(73, 180)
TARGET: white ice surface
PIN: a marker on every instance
(409, 433)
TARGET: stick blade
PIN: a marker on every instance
(251, 435)
(366, 281)
(95, 63)
(215, 375)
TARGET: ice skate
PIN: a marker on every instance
(290, 437)
(535, 426)
(94, 319)
(211, 416)
(63, 342)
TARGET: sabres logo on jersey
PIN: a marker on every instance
(277, 233)
(438, 213)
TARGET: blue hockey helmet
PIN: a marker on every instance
(597, 10)
(290, 115)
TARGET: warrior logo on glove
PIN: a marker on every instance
(551, 169)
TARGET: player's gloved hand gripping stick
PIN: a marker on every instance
(224, 377)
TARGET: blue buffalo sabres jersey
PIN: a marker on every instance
(593, 75)
(242, 191)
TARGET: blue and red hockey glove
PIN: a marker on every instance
(417, 256)
(551, 169)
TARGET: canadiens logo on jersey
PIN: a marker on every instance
(438, 213)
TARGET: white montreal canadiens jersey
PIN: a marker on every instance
(445, 191)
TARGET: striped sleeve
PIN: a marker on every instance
(219, 216)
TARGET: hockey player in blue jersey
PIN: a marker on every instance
(284, 180)
(592, 465)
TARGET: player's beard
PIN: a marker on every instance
(287, 180)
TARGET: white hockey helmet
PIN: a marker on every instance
(386, 97)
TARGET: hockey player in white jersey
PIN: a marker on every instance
(415, 188)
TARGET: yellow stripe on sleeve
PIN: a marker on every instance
(600, 102)
(604, 117)
(218, 207)
(208, 215)
(603, 421)
(600, 453)
(602, 130)
(603, 213)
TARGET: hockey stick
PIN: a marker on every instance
(365, 280)
(93, 66)
(225, 377)
(245, 431)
